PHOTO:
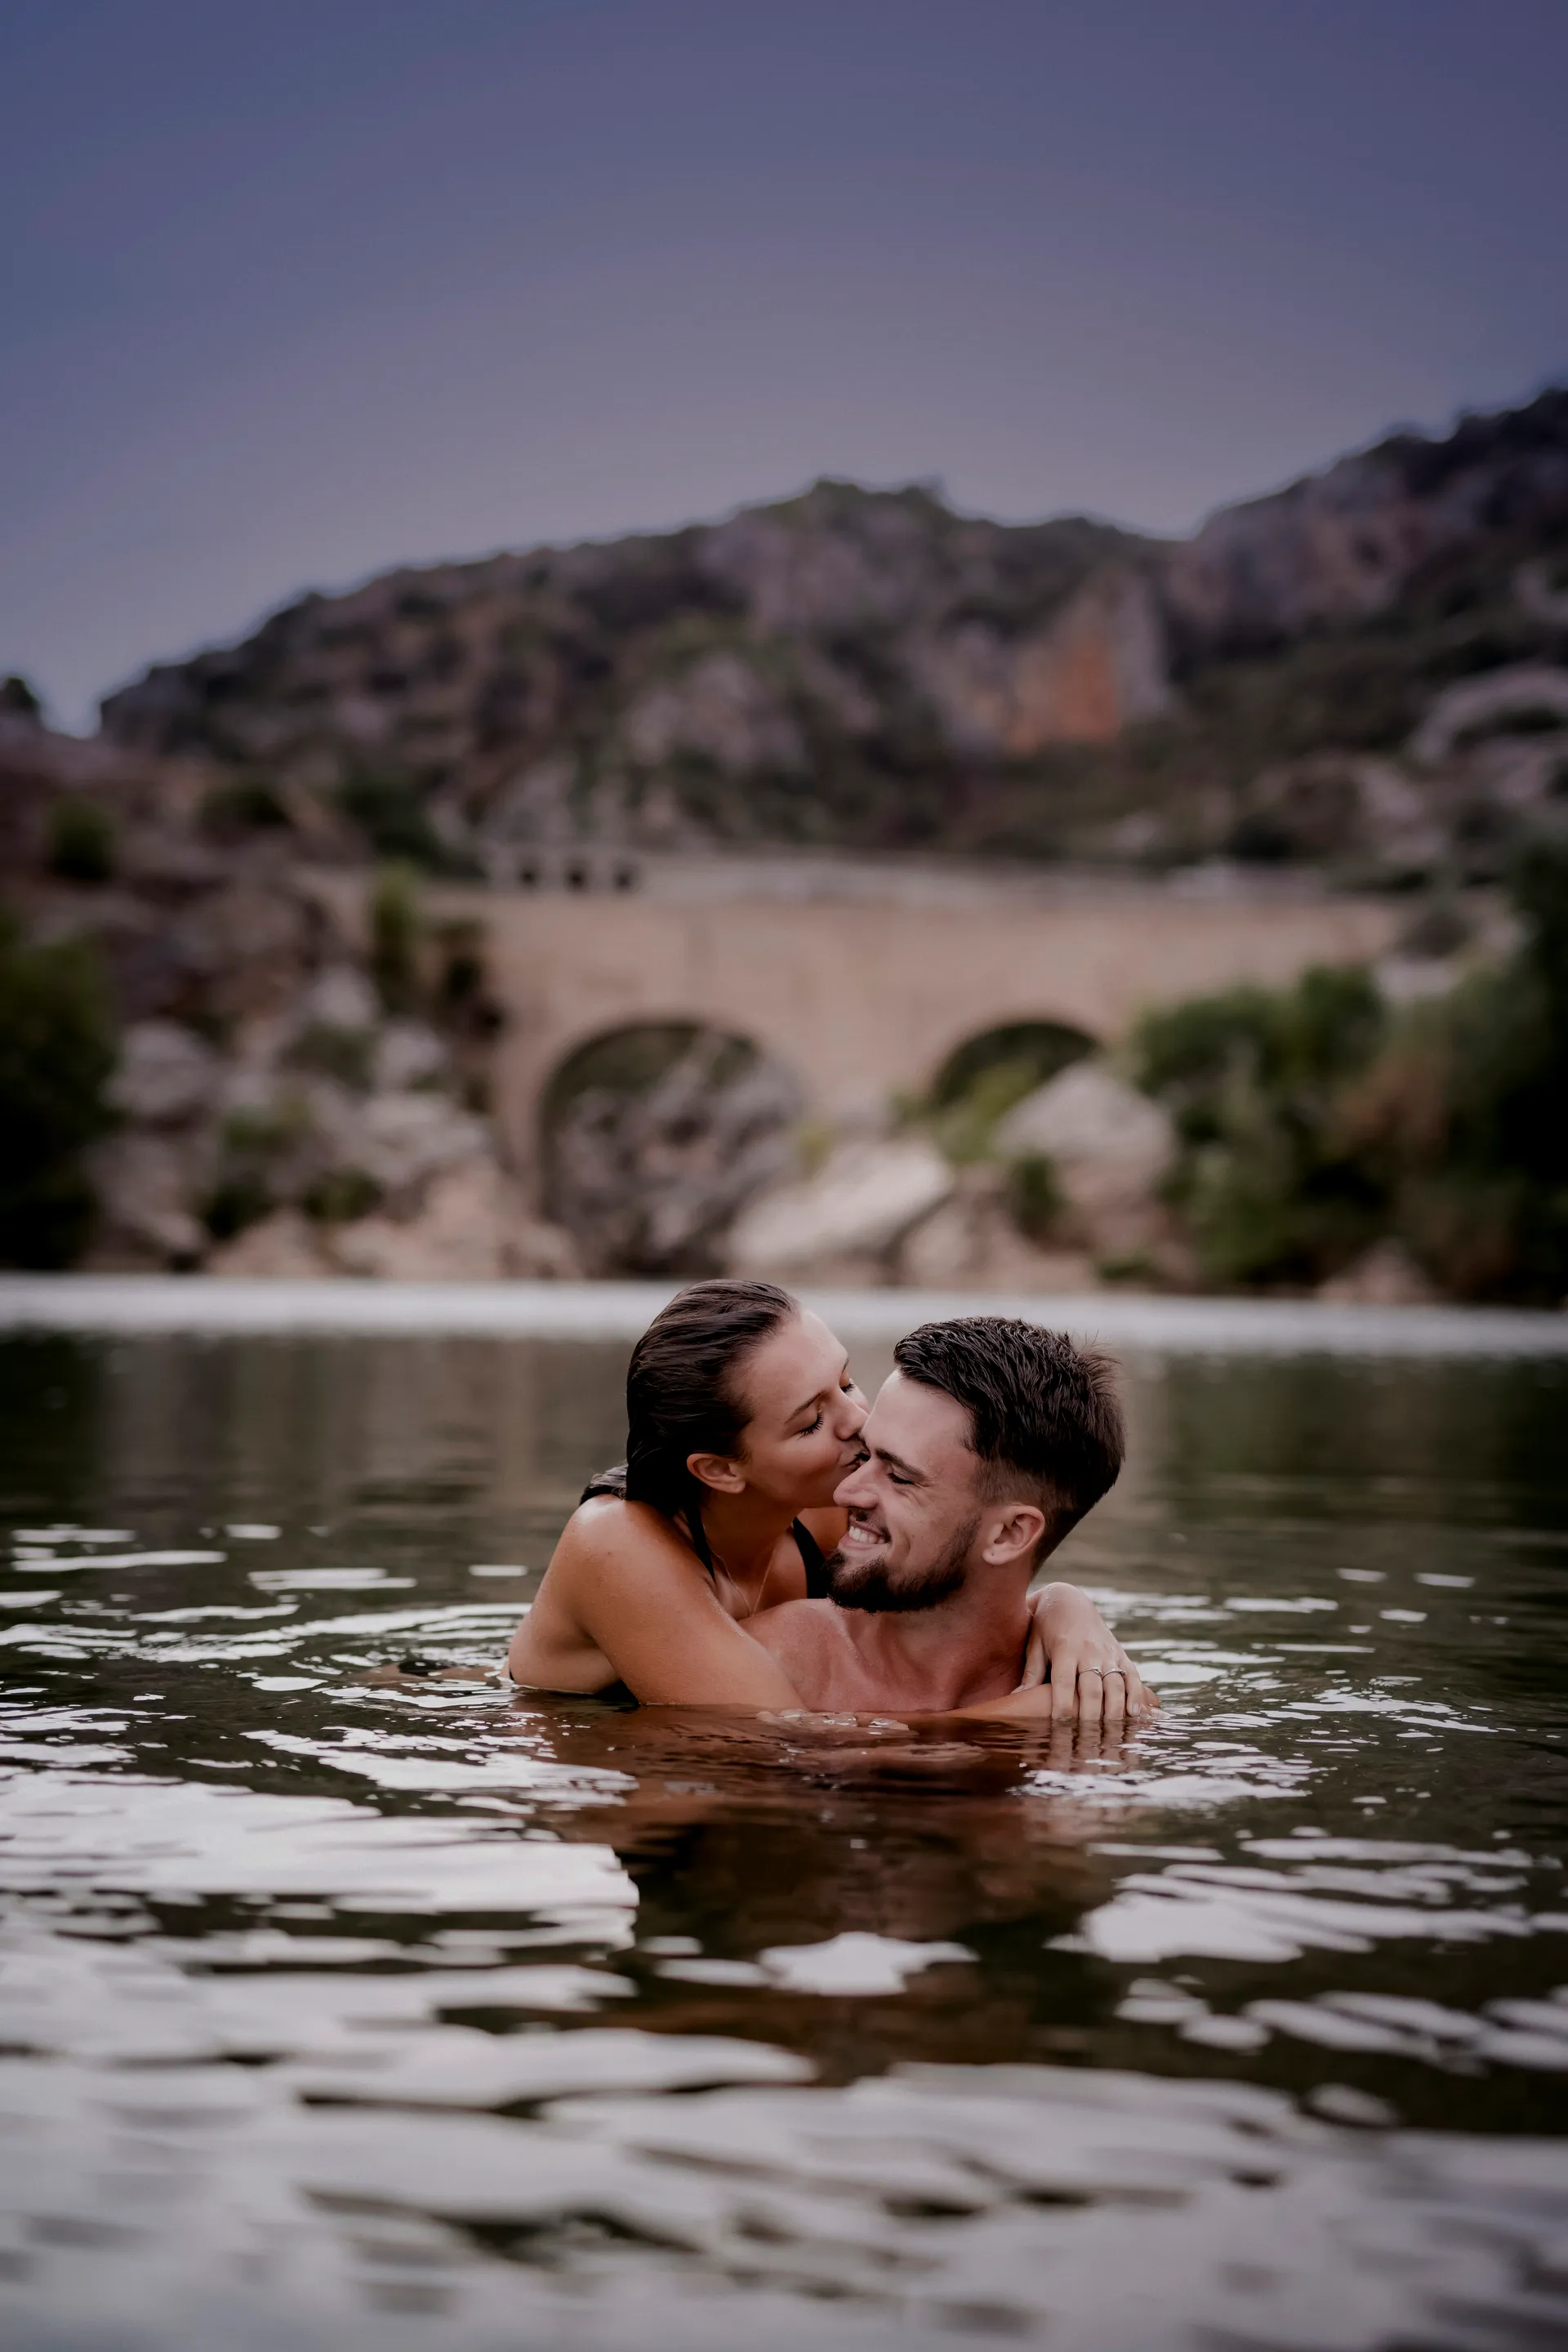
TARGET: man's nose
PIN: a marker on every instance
(855, 1491)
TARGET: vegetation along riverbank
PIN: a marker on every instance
(247, 1024)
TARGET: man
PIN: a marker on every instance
(986, 1446)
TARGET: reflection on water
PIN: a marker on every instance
(339, 2007)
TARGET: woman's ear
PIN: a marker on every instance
(716, 1470)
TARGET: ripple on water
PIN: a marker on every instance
(338, 2005)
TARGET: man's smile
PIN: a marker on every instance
(862, 1534)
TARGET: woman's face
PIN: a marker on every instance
(806, 1414)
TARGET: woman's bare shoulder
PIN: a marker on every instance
(607, 1534)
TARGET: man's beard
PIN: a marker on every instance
(870, 1584)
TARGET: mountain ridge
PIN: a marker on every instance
(870, 669)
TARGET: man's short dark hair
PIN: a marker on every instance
(1044, 1415)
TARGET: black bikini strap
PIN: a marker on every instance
(811, 1559)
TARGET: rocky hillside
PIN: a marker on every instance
(210, 1057)
(1367, 670)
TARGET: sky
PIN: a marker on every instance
(293, 292)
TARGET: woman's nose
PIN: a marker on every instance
(853, 1411)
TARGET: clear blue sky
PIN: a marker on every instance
(289, 292)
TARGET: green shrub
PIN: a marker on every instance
(386, 806)
(81, 845)
(340, 1195)
(1040, 1048)
(963, 1128)
(395, 930)
(57, 1051)
(246, 805)
(1253, 1077)
(250, 1182)
(1034, 1194)
(341, 1053)
(1467, 1113)
(1313, 1120)
(462, 966)
(981, 1079)
(235, 1201)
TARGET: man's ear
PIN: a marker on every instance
(1016, 1533)
(716, 1470)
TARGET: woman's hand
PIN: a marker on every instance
(1073, 1651)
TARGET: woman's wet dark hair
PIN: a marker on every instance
(683, 1394)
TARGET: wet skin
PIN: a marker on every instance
(626, 1598)
(943, 1569)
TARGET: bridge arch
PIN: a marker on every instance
(861, 999)
(653, 1133)
(1018, 1054)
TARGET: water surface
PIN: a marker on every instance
(343, 2010)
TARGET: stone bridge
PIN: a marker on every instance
(862, 995)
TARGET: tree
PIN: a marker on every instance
(57, 1051)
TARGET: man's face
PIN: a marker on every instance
(914, 1509)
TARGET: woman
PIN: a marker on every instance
(743, 1419)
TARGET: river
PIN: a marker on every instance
(340, 2007)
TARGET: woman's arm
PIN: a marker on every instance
(1074, 1666)
(624, 1592)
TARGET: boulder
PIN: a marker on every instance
(399, 1140)
(166, 1073)
(283, 1247)
(1533, 689)
(856, 1208)
(408, 1054)
(339, 998)
(146, 1184)
(241, 949)
(1385, 1275)
(970, 1242)
(472, 1228)
(1109, 1144)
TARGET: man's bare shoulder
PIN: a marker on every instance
(796, 1629)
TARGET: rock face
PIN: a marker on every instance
(970, 1242)
(148, 1188)
(734, 680)
(869, 668)
(1097, 667)
(1366, 674)
(1532, 692)
(843, 1224)
(272, 1115)
(1345, 544)
(166, 1074)
(472, 1228)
